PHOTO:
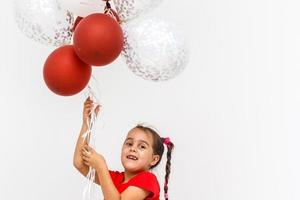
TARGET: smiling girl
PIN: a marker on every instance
(142, 150)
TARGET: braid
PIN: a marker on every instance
(170, 147)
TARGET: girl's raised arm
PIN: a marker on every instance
(77, 158)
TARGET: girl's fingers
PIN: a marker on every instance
(88, 103)
(86, 147)
(86, 153)
(83, 153)
(88, 107)
(87, 150)
(90, 150)
(85, 158)
(88, 98)
(86, 163)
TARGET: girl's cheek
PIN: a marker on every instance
(124, 150)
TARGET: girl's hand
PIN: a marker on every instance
(91, 158)
(88, 105)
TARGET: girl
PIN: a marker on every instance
(142, 150)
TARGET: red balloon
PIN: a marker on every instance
(98, 39)
(64, 73)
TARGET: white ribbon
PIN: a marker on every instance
(89, 137)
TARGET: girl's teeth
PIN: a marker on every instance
(132, 157)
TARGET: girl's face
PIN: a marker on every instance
(137, 152)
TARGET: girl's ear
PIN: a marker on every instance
(155, 159)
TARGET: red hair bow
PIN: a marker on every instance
(167, 141)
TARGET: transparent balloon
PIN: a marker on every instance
(129, 9)
(83, 7)
(44, 21)
(154, 50)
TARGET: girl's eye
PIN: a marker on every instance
(143, 146)
(128, 143)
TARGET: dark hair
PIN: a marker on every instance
(158, 148)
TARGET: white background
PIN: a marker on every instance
(233, 114)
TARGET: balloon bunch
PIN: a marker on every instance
(152, 48)
(97, 41)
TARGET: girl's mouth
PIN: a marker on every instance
(131, 157)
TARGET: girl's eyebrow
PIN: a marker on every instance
(145, 142)
(130, 138)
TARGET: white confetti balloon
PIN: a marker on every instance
(129, 9)
(44, 21)
(154, 50)
(83, 7)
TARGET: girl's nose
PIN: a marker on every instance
(132, 148)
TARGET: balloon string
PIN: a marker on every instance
(89, 137)
(77, 20)
(111, 12)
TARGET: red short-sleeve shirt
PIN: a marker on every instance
(145, 180)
